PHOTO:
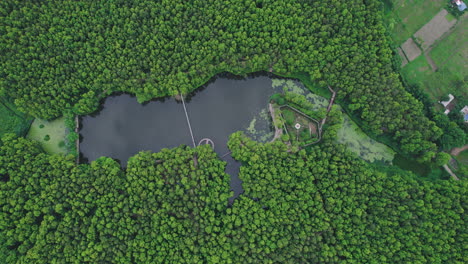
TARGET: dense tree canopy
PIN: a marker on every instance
(60, 55)
(321, 205)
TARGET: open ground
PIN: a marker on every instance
(50, 134)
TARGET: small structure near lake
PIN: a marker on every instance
(288, 114)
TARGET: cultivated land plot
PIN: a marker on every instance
(56, 131)
(450, 56)
(433, 30)
(411, 50)
(408, 16)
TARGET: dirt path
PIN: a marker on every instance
(450, 172)
(430, 61)
(456, 151)
(330, 104)
(278, 131)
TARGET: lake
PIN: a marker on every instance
(227, 104)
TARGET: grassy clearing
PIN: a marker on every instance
(405, 17)
(13, 121)
(300, 127)
(451, 55)
(51, 135)
(449, 17)
(417, 71)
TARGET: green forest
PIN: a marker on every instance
(319, 204)
(61, 55)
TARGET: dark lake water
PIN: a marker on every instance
(225, 105)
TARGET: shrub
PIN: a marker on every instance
(289, 117)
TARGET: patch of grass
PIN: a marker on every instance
(306, 131)
(405, 17)
(51, 136)
(450, 55)
(13, 121)
(436, 84)
(417, 71)
(449, 17)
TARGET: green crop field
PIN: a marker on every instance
(405, 17)
(51, 135)
(450, 55)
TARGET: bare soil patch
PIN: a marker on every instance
(456, 151)
(434, 29)
(411, 50)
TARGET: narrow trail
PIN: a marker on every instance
(188, 121)
(450, 172)
(456, 151)
(329, 106)
(278, 131)
(430, 60)
(226, 154)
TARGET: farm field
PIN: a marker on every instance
(450, 56)
(405, 17)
